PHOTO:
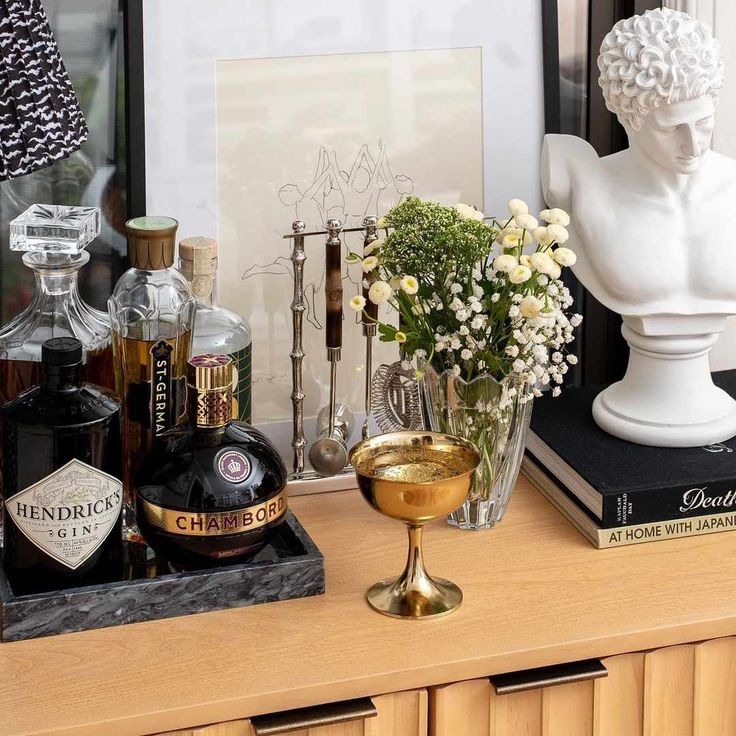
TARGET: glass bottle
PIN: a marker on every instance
(62, 466)
(213, 493)
(217, 330)
(152, 311)
(54, 239)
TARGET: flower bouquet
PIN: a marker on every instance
(483, 314)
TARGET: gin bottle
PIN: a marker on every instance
(152, 311)
(62, 470)
(217, 330)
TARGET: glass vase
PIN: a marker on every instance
(493, 415)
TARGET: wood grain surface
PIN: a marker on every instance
(536, 594)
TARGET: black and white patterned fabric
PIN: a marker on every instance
(40, 118)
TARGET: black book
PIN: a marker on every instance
(620, 483)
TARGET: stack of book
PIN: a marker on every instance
(619, 493)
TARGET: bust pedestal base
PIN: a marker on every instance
(667, 397)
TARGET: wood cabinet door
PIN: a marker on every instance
(398, 714)
(685, 690)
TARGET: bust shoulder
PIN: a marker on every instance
(561, 155)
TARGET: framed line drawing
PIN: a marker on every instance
(260, 112)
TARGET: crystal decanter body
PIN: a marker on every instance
(212, 493)
(62, 470)
(217, 330)
(152, 312)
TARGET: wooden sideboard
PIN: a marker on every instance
(659, 617)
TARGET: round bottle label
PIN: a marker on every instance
(232, 466)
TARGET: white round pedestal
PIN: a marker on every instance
(667, 397)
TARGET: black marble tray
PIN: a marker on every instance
(290, 566)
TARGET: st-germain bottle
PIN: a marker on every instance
(217, 330)
(152, 312)
(62, 467)
(212, 494)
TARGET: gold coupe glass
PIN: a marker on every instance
(415, 477)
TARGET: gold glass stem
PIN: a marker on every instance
(415, 575)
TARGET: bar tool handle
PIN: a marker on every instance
(370, 311)
(333, 285)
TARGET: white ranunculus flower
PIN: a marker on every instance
(409, 284)
(558, 233)
(565, 257)
(505, 263)
(380, 292)
(395, 282)
(514, 237)
(517, 207)
(542, 262)
(369, 264)
(525, 260)
(373, 247)
(541, 235)
(468, 213)
(530, 306)
(357, 303)
(556, 216)
(526, 221)
(556, 270)
(520, 274)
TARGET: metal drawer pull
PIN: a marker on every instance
(558, 674)
(318, 715)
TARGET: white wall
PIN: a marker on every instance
(721, 15)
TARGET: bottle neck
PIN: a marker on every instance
(202, 280)
(62, 378)
(209, 410)
(56, 275)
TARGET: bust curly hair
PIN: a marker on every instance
(658, 57)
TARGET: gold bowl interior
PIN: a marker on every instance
(414, 476)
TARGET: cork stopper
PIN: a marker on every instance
(210, 390)
(198, 264)
(151, 242)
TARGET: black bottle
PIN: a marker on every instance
(62, 470)
(213, 493)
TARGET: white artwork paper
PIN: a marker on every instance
(336, 136)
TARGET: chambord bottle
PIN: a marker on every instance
(213, 493)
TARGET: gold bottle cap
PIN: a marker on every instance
(151, 242)
(210, 384)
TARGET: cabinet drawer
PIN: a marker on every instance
(404, 713)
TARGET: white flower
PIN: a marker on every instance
(555, 216)
(400, 337)
(462, 314)
(556, 391)
(466, 354)
(455, 370)
(514, 237)
(464, 330)
(477, 291)
(519, 366)
(542, 262)
(409, 284)
(439, 347)
(381, 224)
(420, 353)
(455, 343)
(525, 260)
(572, 359)
(505, 263)
(542, 236)
(395, 282)
(564, 256)
(520, 274)
(576, 320)
(514, 311)
(530, 306)
(558, 234)
(455, 304)
(556, 270)
(517, 207)
(468, 213)
(526, 221)
(477, 322)
(357, 303)
(495, 297)
(369, 264)
(455, 288)
(373, 247)
(380, 292)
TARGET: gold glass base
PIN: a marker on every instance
(397, 599)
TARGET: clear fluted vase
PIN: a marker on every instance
(495, 416)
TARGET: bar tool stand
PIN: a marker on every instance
(298, 305)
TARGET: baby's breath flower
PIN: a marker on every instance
(466, 354)
(455, 288)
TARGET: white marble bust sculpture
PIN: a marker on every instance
(648, 228)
